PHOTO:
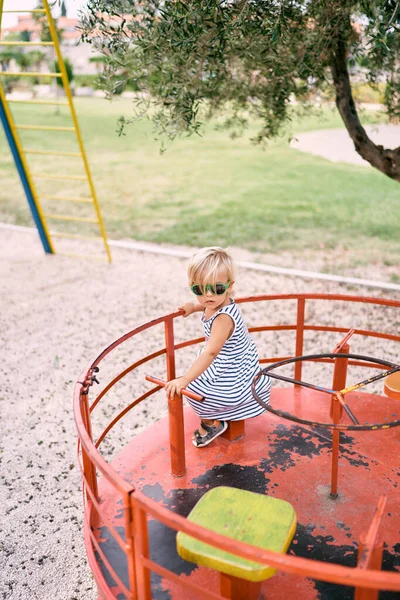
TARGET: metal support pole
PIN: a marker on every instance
(339, 382)
(141, 541)
(301, 303)
(176, 436)
(370, 551)
(175, 410)
(23, 173)
(130, 540)
(336, 414)
(374, 563)
(88, 467)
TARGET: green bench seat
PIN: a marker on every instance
(259, 520)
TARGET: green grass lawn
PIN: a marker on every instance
(210, 189)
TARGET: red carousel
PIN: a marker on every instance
(300, 502)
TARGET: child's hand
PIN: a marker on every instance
(175, 386)
(188, 308)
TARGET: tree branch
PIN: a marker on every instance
(385, 160)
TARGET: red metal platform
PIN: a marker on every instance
(281, 459)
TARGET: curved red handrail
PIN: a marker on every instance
(327, 572)
(323, 571)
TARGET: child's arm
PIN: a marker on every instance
(190, 307)
(221, 330)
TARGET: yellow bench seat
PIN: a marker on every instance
(263, 521)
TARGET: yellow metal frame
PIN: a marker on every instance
(64, 78)
(26, 43)
(30, 74)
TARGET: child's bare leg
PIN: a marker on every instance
(206, 422)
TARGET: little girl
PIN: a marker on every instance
(224, 369)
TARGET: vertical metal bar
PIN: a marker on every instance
(88, 466)
(176, 436)
(1, 14)
(23, 172)
(374, 563)
(301, 303)
(369, 540)
(170, 349)
(130, 539)
(141, 541)
(175, 409)
(64, 79)
(336, 414)
(338, 383)
(340, 371)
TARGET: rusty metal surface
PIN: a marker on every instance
(278, 458)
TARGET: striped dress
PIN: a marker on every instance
(226, 383)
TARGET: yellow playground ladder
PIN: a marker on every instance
(20, 152)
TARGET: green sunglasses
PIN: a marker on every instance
(217, 289)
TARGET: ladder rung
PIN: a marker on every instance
(51, 102)
(89, 256)
(76, 237)
(5, 43)
(44, 128)
(69, 177)
(48, 152)
(68, 218)
(29, 74)
(67, 199)
(32, 10)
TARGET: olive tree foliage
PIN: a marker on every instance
(261, 57)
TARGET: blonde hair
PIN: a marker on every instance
(205, 265)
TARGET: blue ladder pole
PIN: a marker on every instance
(24, 179)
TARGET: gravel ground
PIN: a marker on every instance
(56, 315)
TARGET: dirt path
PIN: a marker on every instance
(337, 146)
